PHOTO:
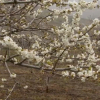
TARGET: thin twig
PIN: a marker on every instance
(11, 91)
(22, 61)
(53, 69)
(18, 2)
(12, 57)
(47, 84)
(7, 68)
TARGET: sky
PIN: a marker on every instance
(90, 14)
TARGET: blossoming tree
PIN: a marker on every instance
(29, 37)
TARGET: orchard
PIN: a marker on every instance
(29, 38)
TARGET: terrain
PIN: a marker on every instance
(60, 88)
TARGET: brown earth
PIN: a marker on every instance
(60, 88)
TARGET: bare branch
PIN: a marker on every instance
(46, 69)
(12, 57)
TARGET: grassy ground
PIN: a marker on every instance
(59, 88)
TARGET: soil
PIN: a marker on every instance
(59, 88)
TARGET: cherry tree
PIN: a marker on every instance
(30, 38)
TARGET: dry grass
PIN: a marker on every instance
(59, 88)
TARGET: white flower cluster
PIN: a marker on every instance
(9, 43)
(13, 75)
(31, 55)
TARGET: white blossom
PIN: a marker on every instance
(65, 73)
(13, 75)
(83, 79)
(4, 79)
(25, 87)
